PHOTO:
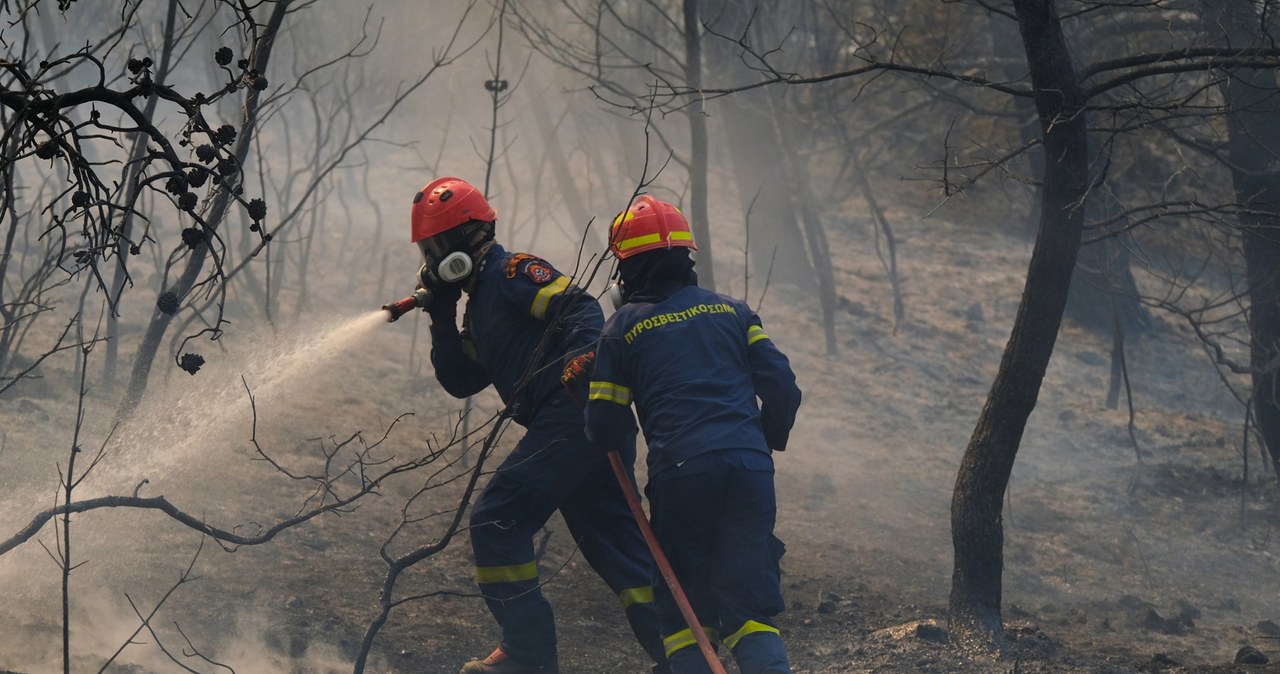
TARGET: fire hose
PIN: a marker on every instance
(420, 299)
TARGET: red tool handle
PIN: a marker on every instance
(668, 574)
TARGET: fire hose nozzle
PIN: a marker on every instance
(420, 299)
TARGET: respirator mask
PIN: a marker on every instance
(448, 254)
(616, 291)
(452, 268)
(617, 294)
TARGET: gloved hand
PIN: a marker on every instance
(444, 304)
(578, 369)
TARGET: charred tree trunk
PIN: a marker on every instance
(815, 232)
(764, 190)
(1104, 295)
(121, 277)
(820, 252)
(1103, 280)
(566, 184)
(698, 146)
(1011, 64)
(214, 216)
(1253, 127)
(1102, 276)
(777, 245)
(977, 532)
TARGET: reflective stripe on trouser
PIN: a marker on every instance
(554, 466)
(758, 649)
(512, 595)
(714, 515)
(672, 643)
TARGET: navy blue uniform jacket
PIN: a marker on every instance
(694, 364)
(523, 320)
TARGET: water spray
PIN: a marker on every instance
(420, 299)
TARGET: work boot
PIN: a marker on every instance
(499, 662)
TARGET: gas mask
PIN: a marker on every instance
(448, 254)
(617, 295)
(453, 268)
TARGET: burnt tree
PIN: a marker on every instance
(1253, 127)
(977, 532)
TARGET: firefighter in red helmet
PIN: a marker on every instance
(524, 323)
(694, 364)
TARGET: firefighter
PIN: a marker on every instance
(694, 363)
(524, 326)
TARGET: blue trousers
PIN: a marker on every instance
(714, 515)
(553, 467)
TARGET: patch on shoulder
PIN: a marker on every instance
(538, 270)
(513, 262)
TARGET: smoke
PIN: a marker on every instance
(105, 627)
(189, 441)
(864, 490)
(188, 426)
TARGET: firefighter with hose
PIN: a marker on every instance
(694, 364)
(524, 323)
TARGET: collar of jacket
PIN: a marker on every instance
(659, 291)
(481, 258)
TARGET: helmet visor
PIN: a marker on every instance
(433, 248)
(464, 237)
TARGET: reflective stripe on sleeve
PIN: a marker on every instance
(755, 333)
(609, 392)
(636, 595)
(543, 298)
(512, 573)
(750, 627)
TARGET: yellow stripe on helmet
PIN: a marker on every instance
(628, 244)
(637, 241)
(623, 217)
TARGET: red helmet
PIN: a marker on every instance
(446, 203)
(649, 225)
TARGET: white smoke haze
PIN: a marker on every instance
(250, 639)
(190, 442)
(191, 426)
(864, 489)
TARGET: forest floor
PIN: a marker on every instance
(1111, 565)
